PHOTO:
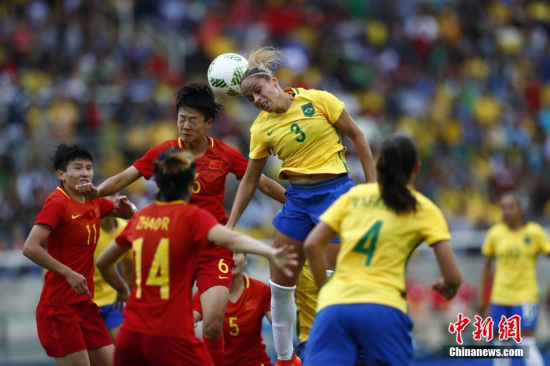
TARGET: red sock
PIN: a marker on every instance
(215, 347)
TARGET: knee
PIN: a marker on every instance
(213, 328)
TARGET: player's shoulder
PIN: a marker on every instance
(364, 188)
(532, 226)
(424, 202)
(256, 283)
(221, 149)
(256, 287)
(58, 195)
(497, 228)
(312, 94)
(164, 145)
(218, 144)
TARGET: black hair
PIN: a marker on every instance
(64, 154)
(174, 170)
(398, 156)
(198, 96)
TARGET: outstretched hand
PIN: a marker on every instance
(285, 259)
(446, 290)
(88, 190)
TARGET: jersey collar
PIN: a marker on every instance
(181, 145)
(60, 188)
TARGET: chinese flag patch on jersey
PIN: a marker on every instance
(215, 164)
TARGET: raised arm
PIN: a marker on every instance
(248, 185)
(281, 257)
(112, 185)
(314, 246)
(272, 189)
(347, 125)
(35, 252)
(451, 278)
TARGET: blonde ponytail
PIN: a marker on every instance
(262, 62)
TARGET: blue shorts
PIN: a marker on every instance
(306, 202)
(112, 317)
(376, 334)
(528, 313)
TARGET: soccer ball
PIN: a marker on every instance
(225, 73)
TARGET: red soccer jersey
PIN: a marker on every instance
(166, 239)
(75, 231)
(242, 325)
(210, 172)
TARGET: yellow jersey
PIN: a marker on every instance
(516, 253)
(306, 301)
(376, 244)
(105, 294)
(304, 137)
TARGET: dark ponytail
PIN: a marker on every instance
(174, 171)
(395, 165)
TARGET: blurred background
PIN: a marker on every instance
(468, 79)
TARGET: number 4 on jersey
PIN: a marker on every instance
(367, 244)
(158, 271)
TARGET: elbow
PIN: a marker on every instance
(101, 265)
(27, 251)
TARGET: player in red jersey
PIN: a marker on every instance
(70, 327)
(166, 237)
(249, 302)
(196, 108)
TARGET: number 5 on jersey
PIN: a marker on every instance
(233, 326)
(158, 271)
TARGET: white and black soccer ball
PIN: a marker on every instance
(225, 73)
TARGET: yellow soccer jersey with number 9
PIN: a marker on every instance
(303, 137)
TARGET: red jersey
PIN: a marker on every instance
(166, 239)
(242, 325)
(74, 236)
(210, 171)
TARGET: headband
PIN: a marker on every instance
(256, 73)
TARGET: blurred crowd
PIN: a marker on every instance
(470, 80)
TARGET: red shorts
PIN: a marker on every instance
(135, 349)
(65, 329)
(214, 268)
